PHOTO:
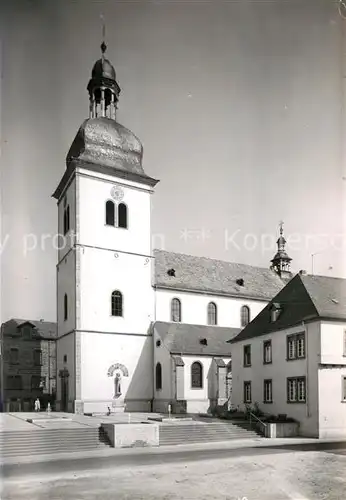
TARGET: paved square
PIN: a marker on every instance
(279, 476)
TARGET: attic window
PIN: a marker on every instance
(171, 272)
(240, 282)
(203, 342)
(275, 312)
(158, 343)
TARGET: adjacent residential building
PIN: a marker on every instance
(291, 359)
(28, 364)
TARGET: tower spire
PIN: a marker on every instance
(103, 88)
(281, 261)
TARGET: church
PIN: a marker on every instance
(139, 329)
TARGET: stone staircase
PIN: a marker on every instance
(203, 432)
(51, 441)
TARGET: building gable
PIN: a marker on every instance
(293, 305)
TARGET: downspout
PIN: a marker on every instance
(153, 352)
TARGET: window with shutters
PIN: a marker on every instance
(247, 392)
(296, 390)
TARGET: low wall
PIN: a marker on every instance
(132, 435)
(282, 429)
(197, 405)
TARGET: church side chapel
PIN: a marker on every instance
(139, 330)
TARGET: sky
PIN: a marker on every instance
(239, 106)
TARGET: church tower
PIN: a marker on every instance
(281, 262)
(105, 299)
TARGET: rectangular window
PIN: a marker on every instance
(268, 391)
(38, 382)
(296, 390)
(14, 382)
(37, 357)
(247, 392)
(296, 346)
(267, 352)
(247, 355)
(14, 356)
(300, 345)
(344, 388)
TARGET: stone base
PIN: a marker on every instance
(116, 406)
(132, 435)
(79, 407)
(282, 430)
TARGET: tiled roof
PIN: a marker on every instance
(45, 329)
(304, 298)
(215, 276)
(182, 338)
(328, 295)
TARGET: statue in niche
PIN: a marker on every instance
(119, 371)
(117, 386)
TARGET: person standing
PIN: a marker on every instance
(37, 405)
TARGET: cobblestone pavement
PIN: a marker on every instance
(286, 476)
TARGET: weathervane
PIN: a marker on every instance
(281, 226)
(103, 45)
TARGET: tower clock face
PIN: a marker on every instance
(117, 193)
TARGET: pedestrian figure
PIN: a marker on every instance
(37, 405)
(48, 408)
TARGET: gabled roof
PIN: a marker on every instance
(328, 295)
(215, 276)
(304, 298)
(182, 338)
(43, 329)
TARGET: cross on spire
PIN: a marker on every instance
(281, 226)
(103, 45)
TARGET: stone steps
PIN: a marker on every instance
(48, 441)
(203, 433)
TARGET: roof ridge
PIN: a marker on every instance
(158, 250)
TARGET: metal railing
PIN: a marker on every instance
(252, 415)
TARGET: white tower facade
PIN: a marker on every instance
(105, 298)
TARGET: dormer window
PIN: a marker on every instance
(240, 282)
(27, 331)
(171, 272)
(275, 312)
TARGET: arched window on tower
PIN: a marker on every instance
(110, 213)
(196, 375)
(65, 307)
(158, 376)
(117, 303)
(122, 215)
(212, 314)
(66, 219)
(176, 310)
(245, 315)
